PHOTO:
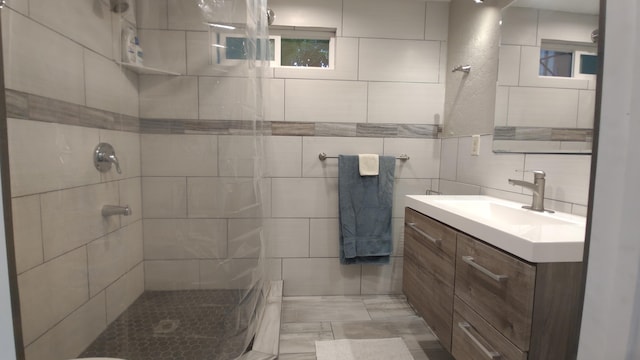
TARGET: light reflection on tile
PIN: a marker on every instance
(323, 308)
(413, 330)
(383, 307)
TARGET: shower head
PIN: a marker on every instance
(119, 6)
(271, 16)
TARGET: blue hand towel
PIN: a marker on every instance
(365, 204)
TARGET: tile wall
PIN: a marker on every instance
(77, 271)
(385, 95)
(567, 185)
(525, 99)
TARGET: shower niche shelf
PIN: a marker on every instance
(144, 70)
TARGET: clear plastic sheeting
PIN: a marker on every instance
(183, 276)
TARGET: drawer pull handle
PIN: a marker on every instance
(490, 354)
(469, 260)
(424, 234)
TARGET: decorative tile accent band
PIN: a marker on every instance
(542, 134)
(33, 107)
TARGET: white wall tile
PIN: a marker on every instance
(489, 169)
(27, 232)
(296, 198)
(45, 156)
(319, 277)
(246, 238)
(403, 187)
(122, 293)
(86, 22)
(168, 97)
(21, 6)
(565, 26)
(384, 19)
(274, 267)
(325, 235)
(579, 210)
(405, 103)
(308, 13)
(383, 279)
(456, 188)
(172, 239)
(186, 15)
(73, 334)
(179, 155)
(226, 98)
(397, 230)
(171, 274)
(437, 22)
(508, 195)
(424, 156)
(163, 49)
(543, 107)
(131, 194)
(107, 261)
(449, 159)
(127, 148)
(509, 65)
(151, 14)
(25, 44)
(586, 109)
(164, 197)
(238, 155)
(442, 75)
(334, 146)
(567, 176)
(325, 100)
(283, 156)
(49, 292)
(502, 106)
(134, 244)
(344, 68)
(229, 274)
(108, 87)
(71, 218)
(287, 237)
(399, 60)
(226, 198)
(519, 26)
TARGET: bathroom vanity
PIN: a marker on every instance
(492, 280)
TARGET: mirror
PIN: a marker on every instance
(545, 98)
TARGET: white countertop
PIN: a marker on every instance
(533, 236)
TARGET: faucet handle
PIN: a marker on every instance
(537, 174)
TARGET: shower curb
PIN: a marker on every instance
(267, 340)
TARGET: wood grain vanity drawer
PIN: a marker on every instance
(431, 298)
(435, 236)
(498, 286)
(475, 339)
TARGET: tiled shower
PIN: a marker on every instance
(185, 147)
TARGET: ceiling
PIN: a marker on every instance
(576, 6)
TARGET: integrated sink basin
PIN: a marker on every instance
(533, 236)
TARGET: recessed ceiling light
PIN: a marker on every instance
(478, 1)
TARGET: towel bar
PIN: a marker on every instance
(323, 157)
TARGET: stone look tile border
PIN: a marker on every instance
(33, 107)
(542, 134)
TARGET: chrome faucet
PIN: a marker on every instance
(537, 187)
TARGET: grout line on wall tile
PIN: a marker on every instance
(424, 24)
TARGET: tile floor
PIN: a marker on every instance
(310, 318)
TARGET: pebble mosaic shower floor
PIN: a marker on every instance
(175, 325)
